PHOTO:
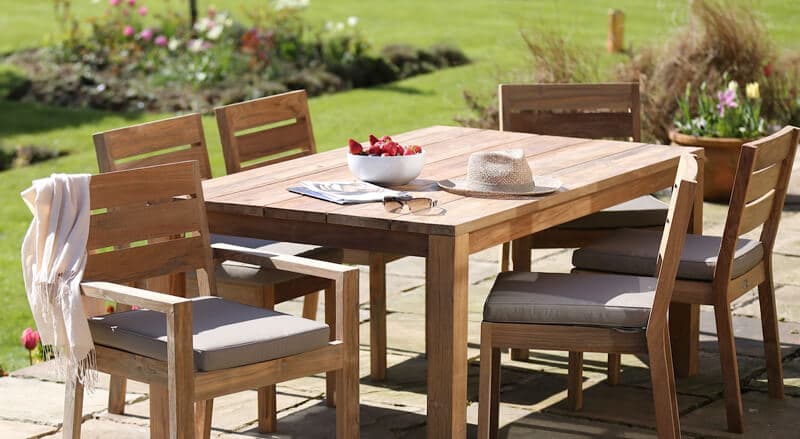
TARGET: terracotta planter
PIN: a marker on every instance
(722, 156)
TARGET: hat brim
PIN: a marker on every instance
(543, 185)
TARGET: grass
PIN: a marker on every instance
(487, 30)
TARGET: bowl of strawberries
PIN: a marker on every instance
(385, 161)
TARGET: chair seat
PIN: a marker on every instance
(240, 272)
(226, 334)
(646, 211)
(634, 252)
(584, 299)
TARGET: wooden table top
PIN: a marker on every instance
(584, 166)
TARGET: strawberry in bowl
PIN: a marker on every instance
(385, 161)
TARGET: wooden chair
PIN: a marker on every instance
(202, 347)
(580, 110)
(717, 270)
(277, 128)
(182, 138)
(590, 312)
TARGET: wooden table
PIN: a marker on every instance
(596, 174)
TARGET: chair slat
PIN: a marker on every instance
(144, 222)
(264, 111)
(615, 97)
(588, 125)
(762, 182)
(281, 139)
(192, 153)
(756, 213)
(151, 260)
(773, 151)
(154, 183)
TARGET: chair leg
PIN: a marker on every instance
(73, 408)
(772, 344)
(159, 412)
(267, 410)
(330, 319)
(310, 305)
(664, 397)
(377, 316)
(671, 375)
(575, 381)
(202, 418)
(117, 387)
(505, 256)
(489, 387)
(730, 367)
(614, 364)
(347, 398)
(521, 260)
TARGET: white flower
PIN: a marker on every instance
(352, 21)
(173, 44)
(203, 24)
(339, 26)
(195, 45)
(733, 86)
(290, 4)
(752, 91)
(214, 32)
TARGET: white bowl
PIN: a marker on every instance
(390, 170)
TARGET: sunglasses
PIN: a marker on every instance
(415, 205)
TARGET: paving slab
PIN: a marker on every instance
(763, 418)
(748, 336)
(47, 372)
(787, 300)
(102, 429)
(791, 378)
(793, 193)
(15, 429)
(42, 402)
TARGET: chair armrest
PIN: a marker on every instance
(294, 264)
(163, 303)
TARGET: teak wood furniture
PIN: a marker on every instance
(277, 128)
(182, 138)
(161, 209)
(595, 173)
(717, 270)
(590, 312)
(605, 110)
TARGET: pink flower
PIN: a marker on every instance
(146, 34)
(113, 2)
(128, 31)
(131, 2)
(161, 40)
(30, 339)
(727, 99)
(143, 11)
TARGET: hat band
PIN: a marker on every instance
(510, 188)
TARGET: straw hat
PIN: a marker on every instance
(500, 173)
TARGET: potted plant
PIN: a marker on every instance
(719, 122)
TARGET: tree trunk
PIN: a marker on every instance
(193, 11)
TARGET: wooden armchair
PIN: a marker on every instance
(277, 128)
(608, 110)
(590, 312)
(717, 270)
(191, 350)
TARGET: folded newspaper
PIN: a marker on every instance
(345, 192)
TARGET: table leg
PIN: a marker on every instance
(446, 321)
(684, 319)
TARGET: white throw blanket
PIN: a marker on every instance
(53, 260)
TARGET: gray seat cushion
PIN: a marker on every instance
(633, 251)
(585, 299)
(226, 334)
(239, 272)
(646, 211)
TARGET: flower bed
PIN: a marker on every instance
(129, 59)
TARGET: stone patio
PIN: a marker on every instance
(533, 393)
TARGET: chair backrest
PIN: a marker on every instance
(577, 110)
(176, 139)
(149, 222)
(265, 131)
(759, 190)
(672, 239)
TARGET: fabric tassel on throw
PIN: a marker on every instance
(53, 260)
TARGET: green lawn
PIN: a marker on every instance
(487, 30)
